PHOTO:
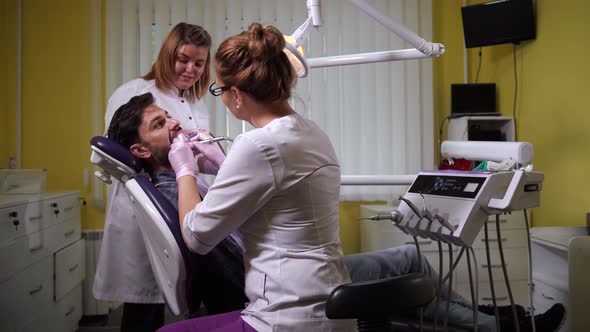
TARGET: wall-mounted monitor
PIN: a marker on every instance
(498, 22)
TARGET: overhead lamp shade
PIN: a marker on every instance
(296, 57)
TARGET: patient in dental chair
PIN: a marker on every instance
(147, 131)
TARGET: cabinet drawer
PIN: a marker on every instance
(63, 208)
(62, 317)
(26, 294)
(69, 268)
(516, 265)
(511, 238)
(519, 292)
(513, 220)
(69, 310)
(11, 223)
(19, 220)
(18, 254)
(68, 232)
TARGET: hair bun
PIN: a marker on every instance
(266, 41)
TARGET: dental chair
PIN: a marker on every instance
(178, 272)
(158, 220)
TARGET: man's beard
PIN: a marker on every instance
(160, 157)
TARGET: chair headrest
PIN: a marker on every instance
(114, 159)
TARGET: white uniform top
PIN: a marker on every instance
(280, 185)
(124, 273)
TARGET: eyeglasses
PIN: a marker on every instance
(217, 91)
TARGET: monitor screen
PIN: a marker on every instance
(473, 99)
(498, 22)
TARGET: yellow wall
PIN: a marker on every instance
(8, 56)
(552, 111)
(56, 96)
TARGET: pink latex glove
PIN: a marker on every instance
(181, 157)
(211, 151)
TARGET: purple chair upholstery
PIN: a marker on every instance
(113, 160)
(167, 211)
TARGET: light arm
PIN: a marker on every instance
(428, 48)
(423, 48)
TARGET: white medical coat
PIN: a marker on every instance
(280, 185)
(123, 273)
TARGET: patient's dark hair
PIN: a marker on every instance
(124, 127)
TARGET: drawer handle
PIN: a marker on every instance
(547, 297)
(494, 240)
(36, 248)
(71, 269)
(68, 233)
(34, 218)
(420, 242)
(54, 205)
(36, 290)
(68, 209)
(13, 214)
(71, 311)
(493, 266)
(486, 298)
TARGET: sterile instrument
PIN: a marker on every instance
(209, 140)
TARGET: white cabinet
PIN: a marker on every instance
(481, 128)
(376, 235)
(42, 259)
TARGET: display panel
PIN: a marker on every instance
(452, 186)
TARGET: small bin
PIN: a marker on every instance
(22, 181)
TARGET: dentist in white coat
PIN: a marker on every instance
(279, 187)
(178, 80)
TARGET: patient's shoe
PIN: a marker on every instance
(507, 318)
(551, 320)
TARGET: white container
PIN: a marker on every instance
(22, 181)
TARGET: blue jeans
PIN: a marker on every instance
(404, 260)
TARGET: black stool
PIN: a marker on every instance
(374, 304)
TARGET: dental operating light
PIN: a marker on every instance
(422, 48)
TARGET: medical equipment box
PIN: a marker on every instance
(22, 181)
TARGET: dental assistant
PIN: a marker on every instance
(279, 187)
(178, 80)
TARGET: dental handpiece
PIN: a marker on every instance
(209, 140)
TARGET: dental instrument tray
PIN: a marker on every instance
(453, 206)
